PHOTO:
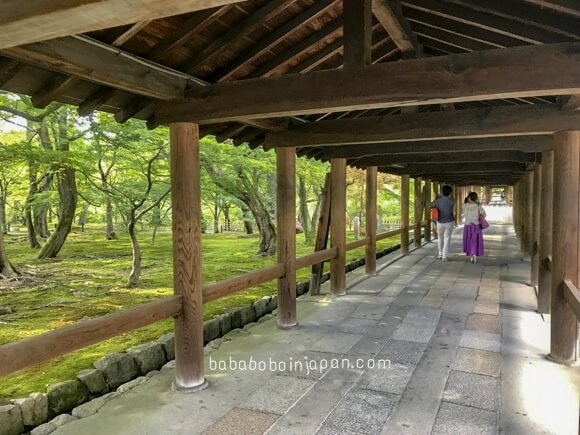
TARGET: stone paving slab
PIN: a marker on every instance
(336, 342)
(472, 389)
(388, 380)
(454, 419)
(278, 394)
(477, 361)
(360, 411)
(242, 422)
(484, 322)
(481, 340)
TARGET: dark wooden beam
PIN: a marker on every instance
(569, 7)
(91, 60)
(44, 96)
(25, 22)
(390, 15)
(272, 39)
(247, 26)
(455, 157)
(459, 168)
(357, 17)
(526, 144)
(503, 73)
(95, 101)
(471, 123)
(8, 69)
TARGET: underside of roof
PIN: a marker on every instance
(267, 38)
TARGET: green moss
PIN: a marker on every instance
(87, 280)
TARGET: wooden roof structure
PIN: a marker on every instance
(463, 91)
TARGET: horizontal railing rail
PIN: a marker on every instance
(24, 353)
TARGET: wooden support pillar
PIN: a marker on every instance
(487, 194)
(186, 224)
(426, 203)
(566, 213)
(418, 206)
(371, 221)
(286, 234)
(529, 212)
(460, 198)
(405, 184)
(547, 189)
(338, 225)
(537, 208)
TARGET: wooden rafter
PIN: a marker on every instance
(272, 39)
(390, 15)
(24, 22)
(503, 73)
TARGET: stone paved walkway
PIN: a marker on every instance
(466, 350)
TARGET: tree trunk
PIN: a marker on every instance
(304, 214)
(247, 221)
(154, 235)
(111, 235)
(83, 217)
(67, 191)
(40, 215)
(264, 223)
(4, 225)
(216, 220)
(6, 269)
(135, 274)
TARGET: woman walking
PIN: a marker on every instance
(472, 232)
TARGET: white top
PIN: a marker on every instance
(471, 212)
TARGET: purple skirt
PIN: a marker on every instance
(473, 240)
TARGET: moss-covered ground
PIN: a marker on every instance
(88, 280)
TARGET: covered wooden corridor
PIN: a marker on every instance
(468, 93)
(465, 343)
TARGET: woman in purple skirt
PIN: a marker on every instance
(472, 232)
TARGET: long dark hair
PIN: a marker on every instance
(472, 195)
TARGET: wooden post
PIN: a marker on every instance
(358, 20)
(545, 276)
(371, 218)
(321, 237)
(529, 212)
(286, 241)
(537, 208)
(338, 225)
(565, 240)
(418, 212)
(186, 224)
(427, 201)
(405, 184)
(487, 195)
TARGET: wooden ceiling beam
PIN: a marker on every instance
(357, 35)
(272, 39)
(24, 22)
(129, 33)
(470, 123)
(492, 74)
(569, 7)
(390, 15)
(527, 144)
(8, 69)
(459, 168)
(455, 157)
(91, 60)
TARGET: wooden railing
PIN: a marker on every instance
(572, 296)
(25, 353)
